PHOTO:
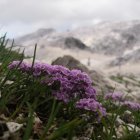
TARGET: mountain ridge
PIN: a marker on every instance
(110, 38)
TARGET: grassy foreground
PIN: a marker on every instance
(45, 102)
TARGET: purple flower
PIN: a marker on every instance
(91, 105)
(47, 69)
(114, 96)
(37, 69)
(24, 67)
(131, 105)
(74, 84)
(13, 64)
(60, 69)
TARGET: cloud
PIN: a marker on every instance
(21, 16)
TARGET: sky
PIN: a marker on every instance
(18, 17)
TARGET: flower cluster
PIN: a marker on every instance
(119, 97)
(73, 84)
(131, 105)
(114, 96)
(91, 104)
(66, 85)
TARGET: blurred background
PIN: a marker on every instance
(102, 34)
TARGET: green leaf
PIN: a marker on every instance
(65, 129)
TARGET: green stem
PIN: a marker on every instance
(29, 126)
(34, 56)
(51, 118)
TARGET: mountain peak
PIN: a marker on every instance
(35, 35)
(44, 31)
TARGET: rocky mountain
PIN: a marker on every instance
(35, 36)
(131, 57)
(120, 40)
(49, 37)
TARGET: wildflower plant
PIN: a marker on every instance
(65, 85)
(56, 87)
